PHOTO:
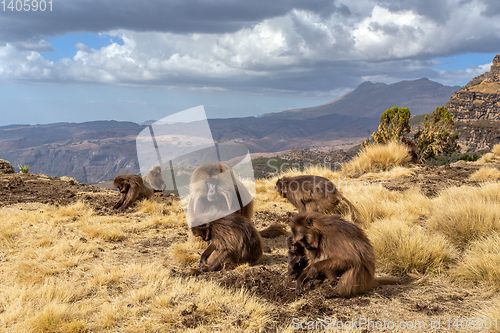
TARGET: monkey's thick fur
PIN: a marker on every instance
(336, 249)
(131, 188)
(231, 239)
(309, 193)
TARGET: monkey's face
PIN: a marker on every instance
(156, 171)
(294, 247)
(305, 233)
(281, 187)
(299, 236)
(212, 191)
(203, 231)
(121, 185)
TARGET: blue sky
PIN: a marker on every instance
(92, 60)
(64, 46)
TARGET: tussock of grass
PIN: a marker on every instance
(327, 171)
(69, 179)
(269, 199)
(376, 202)
(104, 276)
(402, 248)
(189, 251)
(486, 158)
(481, 262)
(110, 314)
(8, 233)
(54, 290)
(377, 158)
(56, 318)
(492, 312)
(149, 206)
(395, 172)
(496, 149)
(109, 233)
(466, 213)
(486, 174)
(64, 213)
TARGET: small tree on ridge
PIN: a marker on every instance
(393, 123)
(436, 136)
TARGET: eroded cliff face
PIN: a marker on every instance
(476, 110)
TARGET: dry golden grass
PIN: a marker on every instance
(467, 213)
(377, 158)
(486, 174)
(376, 202)
(395, 172)
(69, 275)
(317, 170)
(70, 269)
(496, 149)
(404, 248)
(481, 262)
(492, 312)
(486, 87)
(187, 252)
(486, 158)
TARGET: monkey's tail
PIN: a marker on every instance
(388, 281)
(354, 211)
(274, 230)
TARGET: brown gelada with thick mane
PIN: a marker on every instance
(231, 239)
(131, 188)
(310, 193)
(337, 249)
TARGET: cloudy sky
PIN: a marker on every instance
(82, 60)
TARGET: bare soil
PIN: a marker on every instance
(30, 188)
(432, 179)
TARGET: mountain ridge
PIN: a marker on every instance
(100, 150)
(421, 96)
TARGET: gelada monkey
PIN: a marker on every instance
(297, 259)
(310, 193)
(337, 249)
(131, 188)
(212, 192)
(231, 239)
(154, 180)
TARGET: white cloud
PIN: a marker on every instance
(82, 47)
(372, 42)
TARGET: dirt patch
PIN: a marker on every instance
(273, 286)
(432, 179)
(29, 188)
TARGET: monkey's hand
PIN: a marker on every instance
(298, 288)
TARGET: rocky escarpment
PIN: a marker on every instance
(476, 110)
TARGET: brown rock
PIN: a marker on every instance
(6, 167)
(476, 111)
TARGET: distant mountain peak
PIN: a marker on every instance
(370, 100)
